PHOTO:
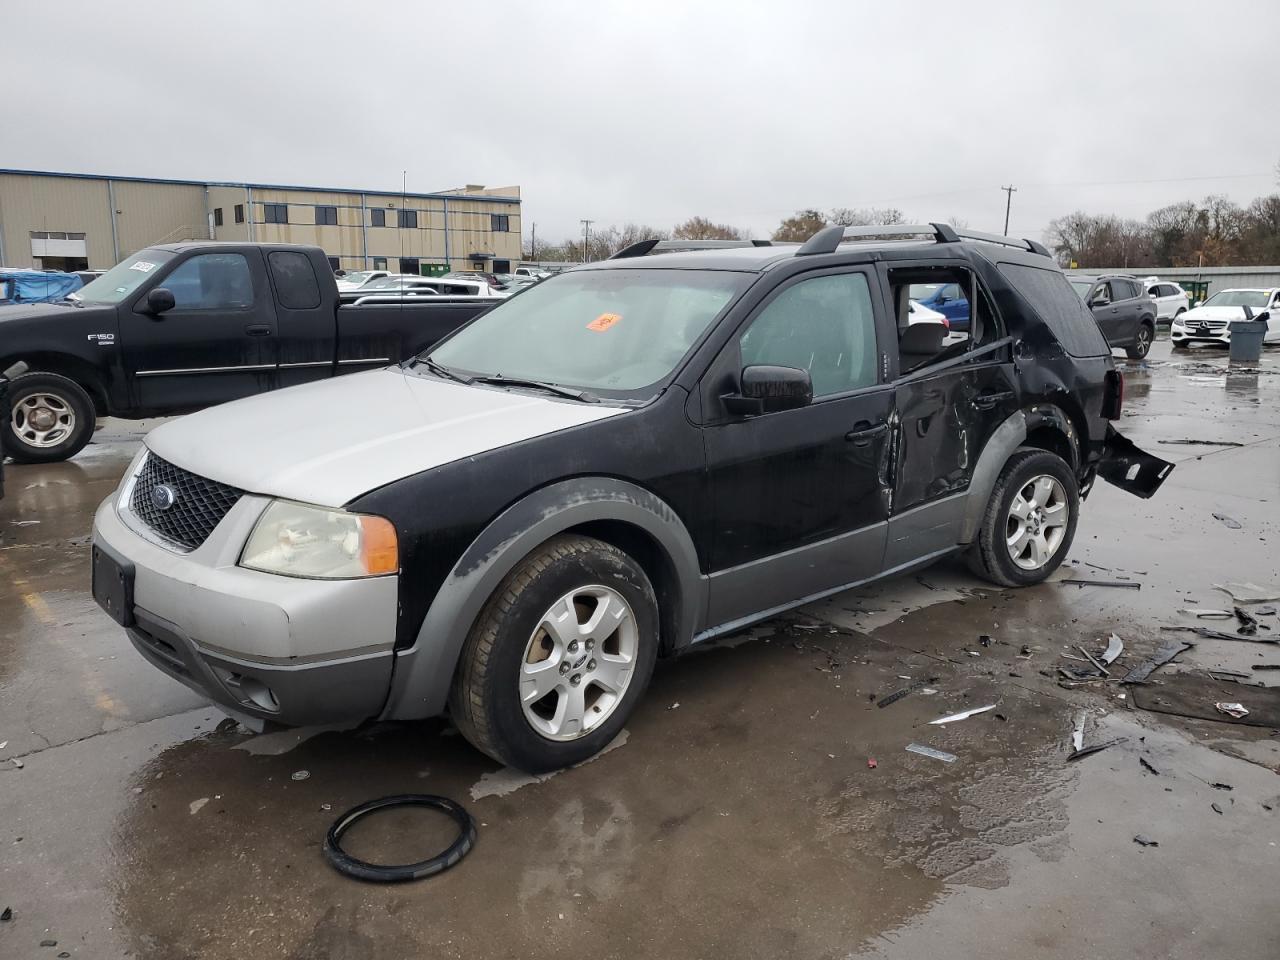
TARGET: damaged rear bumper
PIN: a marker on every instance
(1131, 469)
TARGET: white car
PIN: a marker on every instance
(358, 278)
(1209, 322)
(919, 313)
(533, 273)
(1170, 299)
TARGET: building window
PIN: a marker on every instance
(408, 264)
(239, 213)
(275, 213)
(217, 216)
(334, 263)
(409, 218)
(377, 218)
(379, 263)
(500, 222)
(326, 216)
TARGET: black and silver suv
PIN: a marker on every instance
(612, 465)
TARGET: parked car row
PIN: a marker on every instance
(1211, 321)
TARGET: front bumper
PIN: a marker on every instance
(1181, 333)
(276, 648)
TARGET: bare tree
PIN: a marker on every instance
(866, 217)
(700, 228)
(800, 226)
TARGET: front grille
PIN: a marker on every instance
(197, 505)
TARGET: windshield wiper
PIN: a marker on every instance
(500, 380)
(441, 370)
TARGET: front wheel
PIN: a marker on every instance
(1141, 345)
(558, 657)
(1030, 520)
(51, 418)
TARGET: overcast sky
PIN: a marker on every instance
(654, 111)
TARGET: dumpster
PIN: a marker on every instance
(1246, 337)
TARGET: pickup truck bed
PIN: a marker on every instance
(179, 327)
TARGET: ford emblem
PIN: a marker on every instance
(163, 496)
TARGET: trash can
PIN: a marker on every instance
(1246, 340)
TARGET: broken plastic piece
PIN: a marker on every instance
(1248, 623)
(1229, 522)
(1204, 443)
(1148, 767)
(1094, 660)
(1130, 584)
(1132, 470)
(1216, 809)
(964, 715)
(1144, 841)
(1236, 710)
(1077, 735)
(871, 763)
(1167, 651)
(899, 694)
(1115, 647)
(1248, 592)
(1097, 747)
(930, 752)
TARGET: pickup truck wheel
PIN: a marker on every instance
(558, 657)
(1030, 520)
(51, 418)
(1141, 345)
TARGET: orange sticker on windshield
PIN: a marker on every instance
(603, 322)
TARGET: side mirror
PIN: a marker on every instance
(767, 388)
(1099, 301)
(159, 300)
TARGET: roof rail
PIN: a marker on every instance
(643, 247)
(828, 239)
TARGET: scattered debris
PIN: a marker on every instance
(326, 806)
(984, 639)
(1203, 443)
(18, 763)
(674, 706)
(1265, 611)
(1210, 614)
(899, 694)
(1025, 652)
(1115, 647)
(1216, 809)
(48, 943)
(1247, 592)
(1220, 635)
(930, 752)
(871, 763)
(195, 806)
(24, 523)
(1266, 666)
(1142, 841)
(1236, 710)
(1148, 767)
(1230, 676)
(1220, 786)
(1130, 584)
(1092, 659)
(1166, 652)
(301, 774)
(1248, 623)
(1096, 748)
(1196, 695)
(1077, 735)
(963, 715)
(6, 914)
(1229, 522)
(1001, 717)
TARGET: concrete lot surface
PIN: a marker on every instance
(737, 816)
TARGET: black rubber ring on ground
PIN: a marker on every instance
(343, 862)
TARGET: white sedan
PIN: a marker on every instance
(1210, 322)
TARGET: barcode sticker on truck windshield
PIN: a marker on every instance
(142, 265)
(603, 322)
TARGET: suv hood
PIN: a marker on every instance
(328, 442)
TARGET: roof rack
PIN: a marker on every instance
(644, 247)
(828, 239)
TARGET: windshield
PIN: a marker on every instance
(124, 278)
(613, 330)
(1238, 298)
(1081, 287)
(359, 277)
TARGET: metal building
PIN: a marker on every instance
(1218, 278)
(74, 221)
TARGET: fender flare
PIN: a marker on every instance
(1006, 439)
(1051, 415)
(423, 672)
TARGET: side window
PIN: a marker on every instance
(295, 281)
(824, 325)
(212, 281)
(1103, 292)
(1047, 292)
(1124, 289)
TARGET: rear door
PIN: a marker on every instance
(1102, 301)
(307, 318)
(1129, 301)
(218, 343)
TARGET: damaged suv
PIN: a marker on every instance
(612, 465)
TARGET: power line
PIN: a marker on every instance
(1010, 191)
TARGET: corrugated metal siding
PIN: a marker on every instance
(30, 203)
(1220, 278)
(151, 213)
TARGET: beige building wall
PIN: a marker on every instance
(151, 213)
(227, 199)
(34, 203)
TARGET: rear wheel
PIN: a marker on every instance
(51, 418)
(1030, 520)
(1141, 345)
(558, 657)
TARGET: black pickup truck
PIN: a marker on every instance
(177, 327)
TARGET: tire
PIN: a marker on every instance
(1142, 340)
(51, 418)
(502, 700)
(991, 555)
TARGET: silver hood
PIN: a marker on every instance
(330, 441)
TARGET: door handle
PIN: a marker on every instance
(989, 401)
(258, 329)
(863, 432)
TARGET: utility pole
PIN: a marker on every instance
(586, 237)
(1010, 190)
(533, 245)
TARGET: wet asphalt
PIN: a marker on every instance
(739, 814)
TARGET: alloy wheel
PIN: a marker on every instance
(1037, 522)
(42, 419)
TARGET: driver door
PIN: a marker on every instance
(800, 496)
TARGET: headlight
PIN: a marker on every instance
(298, 540)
